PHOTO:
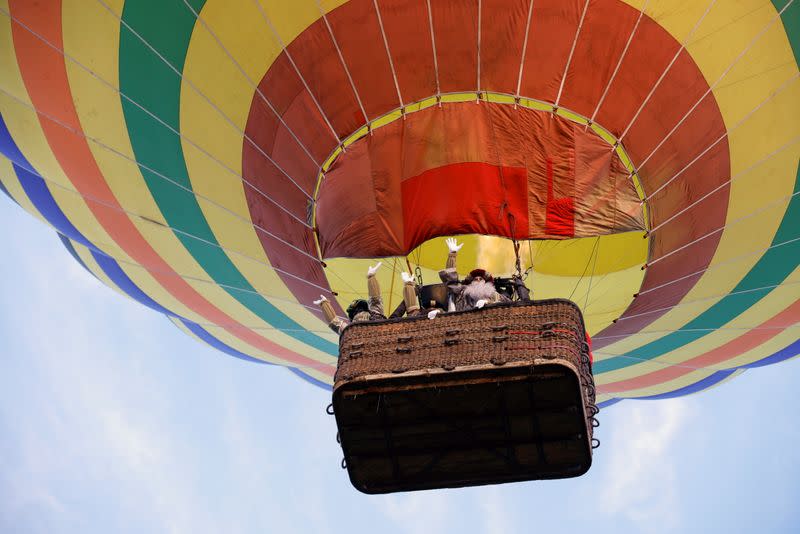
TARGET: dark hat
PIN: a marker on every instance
(483, 273)
(357, 306)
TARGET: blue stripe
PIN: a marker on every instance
(74, 253)
(310, 379)
(36, 189)
(112, 269)
(4, 190)
(217, 344)
(220, 346)
(705, 383)
(9, 148)
(784, 354)
(115, 273)
(609, 402)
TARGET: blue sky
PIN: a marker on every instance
(111, 420)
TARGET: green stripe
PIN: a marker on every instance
(773, 268)
(146, 79)
(791, 24)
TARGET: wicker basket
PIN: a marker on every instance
(500, 394)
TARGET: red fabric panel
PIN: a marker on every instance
(553, 27)
(359, 210)
(355, 25)
(455, 25)
(463, 198)
(560, 217)
(315, 55)
(502, 35)
(597, 52)
(437, 173)
(409, 36)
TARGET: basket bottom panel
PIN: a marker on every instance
(464, 428)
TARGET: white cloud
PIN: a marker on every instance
(639, 478)
(91, 414)
(419, 512)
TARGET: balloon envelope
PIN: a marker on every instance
(225, 163)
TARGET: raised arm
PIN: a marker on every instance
(335, 323)
(374, 291)
(453, 247)
(409, 294)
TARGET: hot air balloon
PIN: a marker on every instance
(225, 163)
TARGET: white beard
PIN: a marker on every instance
(479, 289)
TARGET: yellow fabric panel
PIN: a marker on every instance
(763, 132)
(290, 18)
(123, 176)
(216, 77)
(769, 306)
(108, 127)
(736, 256)
(23, 124)
(9, 179)
(687, 380)
(88, 260)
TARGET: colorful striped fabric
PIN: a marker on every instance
(181, 149)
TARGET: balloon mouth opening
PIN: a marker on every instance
(490, 165)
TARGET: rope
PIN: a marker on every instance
(524, 50)
(148, 112)
(571, 52)
(596, 242)
(194, 88)
(662, 364)
(711, 88)
(107, 246)
(156, 173)
(341, 58)
(712, 297)
(619, 63)
(297, 70)
(252, 84)
(433, 45)
(388, 53)
(480, 5)
(721, 228)
(719, 188)
(724, 184)
(594, 266)
(723, 329)
(727, 133)
(669, 66)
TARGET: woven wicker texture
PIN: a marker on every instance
(528, 333)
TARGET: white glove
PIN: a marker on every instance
(374, 269)
(480, 304)
(321, 300)
(453, 245)
(434, 313)
(407, 277)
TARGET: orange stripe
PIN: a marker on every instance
(751, 340)
(45, 77)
